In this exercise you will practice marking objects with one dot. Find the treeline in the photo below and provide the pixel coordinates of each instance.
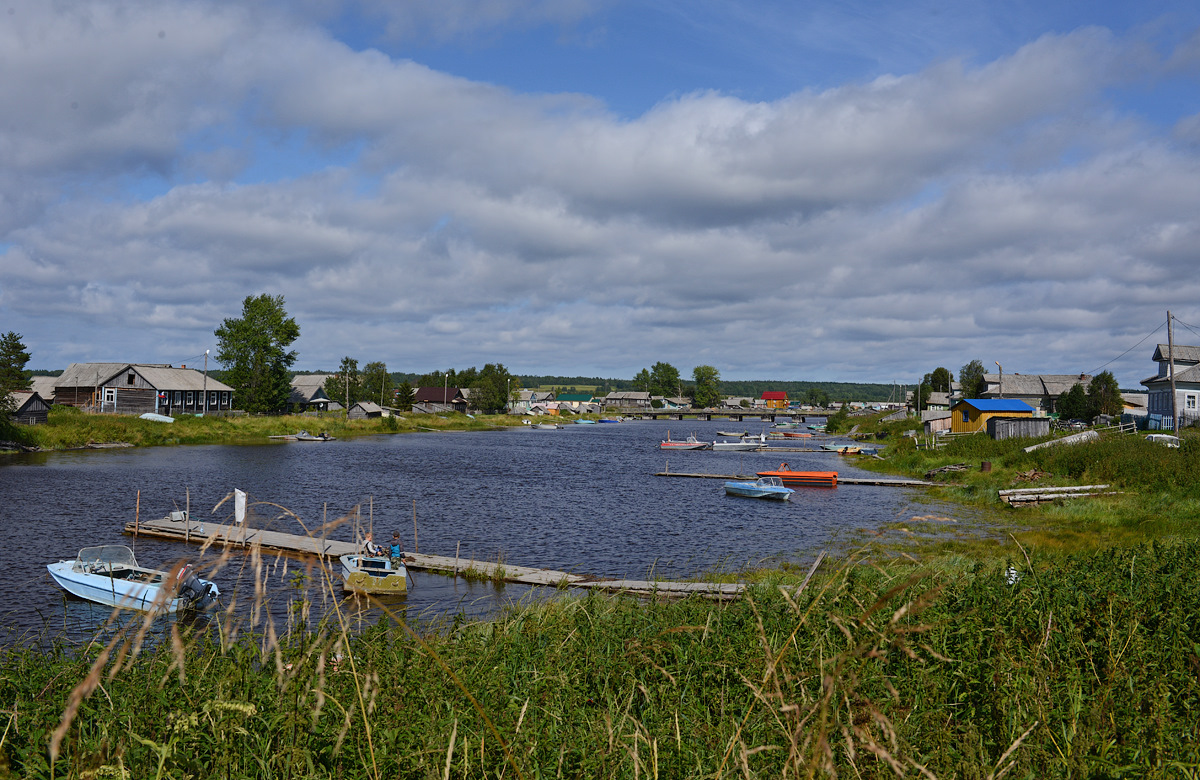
(836, 391)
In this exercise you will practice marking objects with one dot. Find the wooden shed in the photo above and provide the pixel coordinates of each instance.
(1001, 428)
(31, 408)
(365, 410)
(971, 415)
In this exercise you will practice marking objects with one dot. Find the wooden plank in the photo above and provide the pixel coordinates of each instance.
(841, 480)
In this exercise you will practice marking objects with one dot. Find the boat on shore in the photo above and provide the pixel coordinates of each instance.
(802, 478)
(306, 436)
(843, 449)
(110, 575)
(373, 574)
(546, 426)
(764, 487)
(690, 443)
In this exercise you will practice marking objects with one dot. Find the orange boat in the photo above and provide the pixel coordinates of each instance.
(795, 479)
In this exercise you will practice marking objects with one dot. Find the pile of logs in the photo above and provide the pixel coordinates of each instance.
(1026, 496)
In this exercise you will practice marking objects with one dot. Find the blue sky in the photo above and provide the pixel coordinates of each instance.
(841, 191)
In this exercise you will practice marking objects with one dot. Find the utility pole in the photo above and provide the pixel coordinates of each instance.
(1171, 368)
(1001, 391)
(205, 385)
(347, 378)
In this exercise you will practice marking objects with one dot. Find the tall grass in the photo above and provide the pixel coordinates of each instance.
(1080, 666)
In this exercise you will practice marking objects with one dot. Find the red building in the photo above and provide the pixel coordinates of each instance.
(775, 399)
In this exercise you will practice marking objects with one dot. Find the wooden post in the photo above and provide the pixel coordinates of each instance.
(1171, 371)
(187, 516)
(416, 545)
(136, 512)
(456, 547)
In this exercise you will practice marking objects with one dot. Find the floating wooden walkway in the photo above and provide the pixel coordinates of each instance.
(841, 480)
(222, 536)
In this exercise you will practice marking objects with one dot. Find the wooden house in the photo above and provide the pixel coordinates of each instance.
(774, 399)
(137, 388)
(971, 415)
(308, 393)
(29, 408)
(624, 399)
(1187, 386)
(1040, 391)
(365, 410)
(439, 399)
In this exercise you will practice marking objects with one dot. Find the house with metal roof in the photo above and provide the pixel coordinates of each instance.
(137, 388)
(627, 398)
(1040, 391)
(774, 399)
(971, 415)
(1187, 386)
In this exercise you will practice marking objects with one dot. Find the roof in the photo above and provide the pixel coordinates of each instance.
(631, 395)
(368, 406)
(1041, 385)
(575, 397)
(774, 395)
(309, 388)
(44, 386)
(160, 376)
(436, 395)
(1189, 374)
(996, 404)
(23, 398)
(1181, 353)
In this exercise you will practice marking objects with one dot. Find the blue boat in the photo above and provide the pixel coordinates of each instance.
(763, 487)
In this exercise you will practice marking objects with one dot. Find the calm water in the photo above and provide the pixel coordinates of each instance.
(581, 499)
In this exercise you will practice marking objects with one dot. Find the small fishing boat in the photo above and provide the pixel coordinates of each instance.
(763, 487)
(110, 575)
(802, 478)
(690, 443)
(744, 444)
(546, 426)
(817, 427)
(608, 420)
(732, 434)
(796, 435)
(306, 436)
(585, 422)
(842, 449)
(786, 425)
(373, 574)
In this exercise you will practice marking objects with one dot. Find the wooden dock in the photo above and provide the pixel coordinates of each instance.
(841, 480)
(222, 536)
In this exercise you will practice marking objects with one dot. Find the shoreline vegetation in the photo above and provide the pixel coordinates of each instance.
(1063, 642)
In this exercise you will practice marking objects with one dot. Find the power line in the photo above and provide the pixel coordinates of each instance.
(1094, 371)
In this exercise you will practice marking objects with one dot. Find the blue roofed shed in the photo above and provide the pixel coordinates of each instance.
(972, 414)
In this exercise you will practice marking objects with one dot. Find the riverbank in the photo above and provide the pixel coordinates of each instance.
(1056, 667)
(69, 428)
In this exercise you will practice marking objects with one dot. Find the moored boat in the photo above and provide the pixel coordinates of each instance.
(732, 434)
(373, 574)
(110, 575)
(744, 444)
(763, 487)
(306, 436)
(802, 478)
(690, 443)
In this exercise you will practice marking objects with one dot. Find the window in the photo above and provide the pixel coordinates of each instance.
(178, 397)
(966, 416)
(129, 379)
(1191, 401)
(212, 399)
(110, 395)
(225, 399)
(190, 398)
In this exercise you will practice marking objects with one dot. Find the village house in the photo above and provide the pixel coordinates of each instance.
(364, 410)
(1041, 391)
(433, 400)
(1187, 387)
(526, 399)
(625, 399)
(138, 388)
(308, 393)
(29, 407)
(774, 399)
(971, 415)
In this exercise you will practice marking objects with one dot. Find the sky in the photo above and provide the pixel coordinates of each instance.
(834, 190)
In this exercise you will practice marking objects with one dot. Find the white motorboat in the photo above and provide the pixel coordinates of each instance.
(763, 487)
(744, 444)
(110, 575)
(690, 443)
(373, 574)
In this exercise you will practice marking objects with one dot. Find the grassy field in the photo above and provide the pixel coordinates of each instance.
(70, 428)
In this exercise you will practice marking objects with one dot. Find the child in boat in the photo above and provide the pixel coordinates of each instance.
(370, 548)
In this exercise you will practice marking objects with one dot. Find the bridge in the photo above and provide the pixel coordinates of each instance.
(738, 415)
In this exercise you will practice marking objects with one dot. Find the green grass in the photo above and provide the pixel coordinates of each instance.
(1086, 666)
(69, 428)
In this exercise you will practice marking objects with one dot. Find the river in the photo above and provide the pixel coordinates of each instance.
(582, 499)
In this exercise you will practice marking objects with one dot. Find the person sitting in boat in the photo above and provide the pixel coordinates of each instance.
(397, 550)
(370, 548)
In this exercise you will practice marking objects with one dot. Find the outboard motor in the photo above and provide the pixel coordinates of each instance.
(197, 593)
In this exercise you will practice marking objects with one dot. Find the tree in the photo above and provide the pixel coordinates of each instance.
(1073, 404)
(13, 375)
(491, 391)
(345, 385)
(970, 377)
(940, 380)
(1104, 395)
(664, 379)
(376, 383)
(817, 397)
(707, 392)
(254, 352)
(404, 396)
(921, 394)
(643, 382)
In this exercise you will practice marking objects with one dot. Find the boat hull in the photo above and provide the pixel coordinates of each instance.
(373, 575)
(750, 490)
(795, 479)
(128, 587)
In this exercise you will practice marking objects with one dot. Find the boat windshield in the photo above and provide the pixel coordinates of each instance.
(107, 556)
(770, 481)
